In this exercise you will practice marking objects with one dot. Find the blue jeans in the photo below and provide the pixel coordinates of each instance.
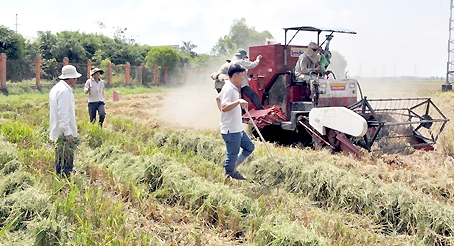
(233, 142)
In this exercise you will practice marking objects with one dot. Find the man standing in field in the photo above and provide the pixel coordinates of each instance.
(63, 126)
(94, 87)
(230, 104)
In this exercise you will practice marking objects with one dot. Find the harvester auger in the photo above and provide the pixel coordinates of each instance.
(322, 111)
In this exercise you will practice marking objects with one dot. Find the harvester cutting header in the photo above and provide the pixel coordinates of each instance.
(319, 110)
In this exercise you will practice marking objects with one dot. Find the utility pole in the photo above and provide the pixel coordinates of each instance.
(449, 66)
(16, 23)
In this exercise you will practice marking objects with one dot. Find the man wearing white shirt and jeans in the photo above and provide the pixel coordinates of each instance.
(63, 116)
(94, 87)
(235, 138)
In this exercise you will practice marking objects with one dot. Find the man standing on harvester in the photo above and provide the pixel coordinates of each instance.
(241, 58)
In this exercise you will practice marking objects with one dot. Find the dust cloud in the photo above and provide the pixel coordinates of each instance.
(192, 106)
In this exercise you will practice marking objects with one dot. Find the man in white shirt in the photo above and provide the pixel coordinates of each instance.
(63, 116)
(94, 87)
(230, 104)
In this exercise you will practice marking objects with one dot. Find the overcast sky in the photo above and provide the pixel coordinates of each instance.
(395, 38)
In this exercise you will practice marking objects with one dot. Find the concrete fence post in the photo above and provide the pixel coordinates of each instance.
(155, 73)
(88, 69)
(127, 72)
(109, 73)
(2, 71)
(38, 70)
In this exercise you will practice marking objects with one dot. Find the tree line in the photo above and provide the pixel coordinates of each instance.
(119, 49)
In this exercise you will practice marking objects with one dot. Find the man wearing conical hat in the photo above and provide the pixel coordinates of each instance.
(94, 87)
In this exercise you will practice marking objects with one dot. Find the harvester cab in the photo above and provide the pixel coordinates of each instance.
(322, 111)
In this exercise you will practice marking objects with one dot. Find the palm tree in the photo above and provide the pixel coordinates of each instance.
(188, 47)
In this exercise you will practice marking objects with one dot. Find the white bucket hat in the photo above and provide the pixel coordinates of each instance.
(69, 72)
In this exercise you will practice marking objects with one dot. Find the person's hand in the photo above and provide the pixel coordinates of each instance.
(69, 138)
(318, 67)
(259, 57)
(243, 103)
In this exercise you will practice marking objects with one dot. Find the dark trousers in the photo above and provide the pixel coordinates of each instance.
(96, 106)
(249, 92)
(64, 165)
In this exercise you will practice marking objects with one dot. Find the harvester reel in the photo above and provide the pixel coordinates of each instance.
(396, 124)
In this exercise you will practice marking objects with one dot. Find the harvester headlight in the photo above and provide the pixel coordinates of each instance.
(351, 85)
(322, 85)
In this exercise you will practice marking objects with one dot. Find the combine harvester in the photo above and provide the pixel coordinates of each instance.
(322, 111)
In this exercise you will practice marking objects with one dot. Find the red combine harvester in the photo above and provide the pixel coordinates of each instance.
(324, 112)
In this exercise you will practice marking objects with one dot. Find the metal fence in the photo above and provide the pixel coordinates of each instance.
(50, 69)
(18, 70)
(136, 75)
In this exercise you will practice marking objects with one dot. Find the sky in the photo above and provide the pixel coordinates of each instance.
(394, 38)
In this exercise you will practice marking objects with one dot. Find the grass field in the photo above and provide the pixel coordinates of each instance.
(154, 176)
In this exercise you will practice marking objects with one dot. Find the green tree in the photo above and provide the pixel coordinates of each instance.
(79, 47)
(162, 56)
(68, 44)
(188, 48)
(11, 43)
(203, 61)
(120, 34)
(45, 43)
(240, 36)
(31, 50)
